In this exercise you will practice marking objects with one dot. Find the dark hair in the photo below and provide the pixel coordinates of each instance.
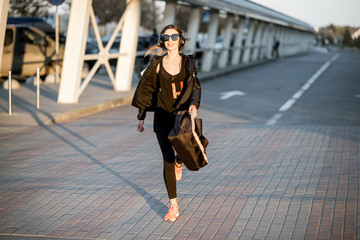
(161, 44)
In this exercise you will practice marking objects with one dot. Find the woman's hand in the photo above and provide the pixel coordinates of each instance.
(193, 111)
(140, 126)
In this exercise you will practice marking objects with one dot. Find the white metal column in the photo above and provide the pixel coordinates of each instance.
(265, 39)
(257, 41)
(300, 38)
(74, 51)
(193, 28)
(248, 41)
(224, 55)
(209, 53)
(4, 7)
(235, 58)
(297, 39)
(301, 41)
(270, 43)
(128, 47)
(294, 42)
(169, 13)
(282, 40)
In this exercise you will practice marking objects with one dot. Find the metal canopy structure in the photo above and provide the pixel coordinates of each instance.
(253, 10)
(249, 35)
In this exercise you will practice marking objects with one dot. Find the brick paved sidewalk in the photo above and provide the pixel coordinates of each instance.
(73, 181)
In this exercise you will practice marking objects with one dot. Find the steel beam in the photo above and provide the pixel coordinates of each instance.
(74, 51)
(224, 54)
(257, 42)
(193, 28)
(235, 58)
(206, 63)
(128, 47)
(4, 6)
(249, 41)
(169, 13)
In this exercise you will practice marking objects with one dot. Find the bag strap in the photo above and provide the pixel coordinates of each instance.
(197, 139)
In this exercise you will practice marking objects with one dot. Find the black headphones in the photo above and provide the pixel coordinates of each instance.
(178, 29)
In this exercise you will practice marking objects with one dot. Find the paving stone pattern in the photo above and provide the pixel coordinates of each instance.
(104, 181)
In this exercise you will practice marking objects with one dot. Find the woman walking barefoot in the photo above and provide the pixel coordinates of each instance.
(164, 88)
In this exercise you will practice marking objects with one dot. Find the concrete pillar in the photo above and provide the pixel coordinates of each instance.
(74, 51)
(278, 36)
(285, 38)
(302, 41)
(257, 41)
(294, 42)
(248, 41)
(128, 46)
(169, 13)
(235, 58)
(224, 54)
(289, 39)
(282, 47)
(264, 41)
(193, 27)
(212, 32)
(299, 39)
(308, 41)
(4, 7)
(270, 42)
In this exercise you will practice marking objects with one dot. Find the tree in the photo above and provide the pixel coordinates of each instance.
(357, 42)
(108, 10)
(149, 13)
(347, 40)
(38, 8)
(31, 8)
(112, 10)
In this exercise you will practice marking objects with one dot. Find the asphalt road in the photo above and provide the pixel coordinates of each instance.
(332, 99)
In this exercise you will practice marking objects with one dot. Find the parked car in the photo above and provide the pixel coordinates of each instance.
(38, 23)
(27, 48)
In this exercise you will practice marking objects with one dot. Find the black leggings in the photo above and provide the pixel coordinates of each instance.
(163, 123)
(169, 163)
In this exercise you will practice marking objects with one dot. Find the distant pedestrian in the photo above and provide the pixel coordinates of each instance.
(275, 50)
(161, 89)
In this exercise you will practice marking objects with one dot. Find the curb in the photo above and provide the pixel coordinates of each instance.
(66, 116)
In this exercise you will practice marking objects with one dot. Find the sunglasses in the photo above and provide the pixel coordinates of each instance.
(166, 37)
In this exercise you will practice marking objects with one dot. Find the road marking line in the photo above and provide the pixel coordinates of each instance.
(229, 94)
(287, 105)
(274, 119)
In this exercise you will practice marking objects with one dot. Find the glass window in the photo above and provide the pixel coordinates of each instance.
(9, 37)
(31, 37)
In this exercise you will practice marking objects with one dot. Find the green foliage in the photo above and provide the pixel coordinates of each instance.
(338, 35)
(111, 10)
(29, 8)
(357, 42)
(347, 40)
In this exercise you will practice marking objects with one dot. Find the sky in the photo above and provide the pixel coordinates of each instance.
(318, 13)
